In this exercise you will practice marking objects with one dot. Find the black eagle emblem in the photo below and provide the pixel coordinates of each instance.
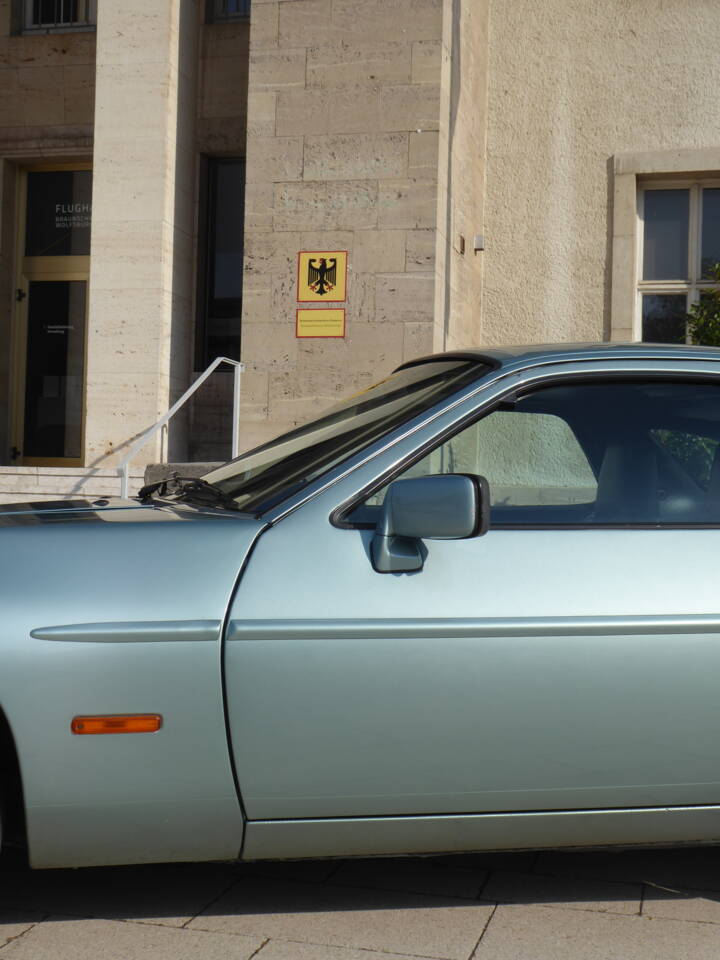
(322, 275)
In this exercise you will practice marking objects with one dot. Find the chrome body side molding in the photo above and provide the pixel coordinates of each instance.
(142, 631)
(368, 836)
(438, 628)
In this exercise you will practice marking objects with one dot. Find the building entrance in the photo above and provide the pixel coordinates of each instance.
(51, 317)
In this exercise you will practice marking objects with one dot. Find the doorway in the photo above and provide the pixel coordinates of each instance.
(50, 331)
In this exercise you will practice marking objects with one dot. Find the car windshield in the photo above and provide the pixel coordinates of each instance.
(271, 473)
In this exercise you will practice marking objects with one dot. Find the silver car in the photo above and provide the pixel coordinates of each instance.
(476, 606)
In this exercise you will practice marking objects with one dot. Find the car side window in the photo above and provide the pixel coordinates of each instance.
(530, 460)
(613, 453)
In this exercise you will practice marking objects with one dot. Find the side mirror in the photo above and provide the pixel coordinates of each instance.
(443, 507)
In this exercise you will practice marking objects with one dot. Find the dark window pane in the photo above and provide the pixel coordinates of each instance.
(664, 317)
(591, 453)
(219, 10)
(220, 299)
(710, 253)
(228, 231)
(55, 369)
(59, 207)
(696, 454)
(276, 470)
(54, 12)
(665, 249)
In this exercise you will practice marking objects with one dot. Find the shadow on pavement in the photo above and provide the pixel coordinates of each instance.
(616, 882)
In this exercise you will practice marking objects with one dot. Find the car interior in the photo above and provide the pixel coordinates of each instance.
(577, 454)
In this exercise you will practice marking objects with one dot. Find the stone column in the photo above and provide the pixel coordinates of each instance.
(461, 180)
(343, 118)
(141, 272)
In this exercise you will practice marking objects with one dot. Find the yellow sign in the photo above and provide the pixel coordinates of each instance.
(320, 323)
(322, 276)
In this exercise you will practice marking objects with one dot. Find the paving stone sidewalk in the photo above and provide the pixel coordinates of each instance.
(632, 905)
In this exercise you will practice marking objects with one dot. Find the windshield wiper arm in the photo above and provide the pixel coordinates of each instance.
(188, 488)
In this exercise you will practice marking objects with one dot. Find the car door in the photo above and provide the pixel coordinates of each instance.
(567, 660)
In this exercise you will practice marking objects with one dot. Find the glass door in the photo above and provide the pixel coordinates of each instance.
(54, 368)
(51, 319)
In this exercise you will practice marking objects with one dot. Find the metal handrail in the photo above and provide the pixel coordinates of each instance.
(124, 465)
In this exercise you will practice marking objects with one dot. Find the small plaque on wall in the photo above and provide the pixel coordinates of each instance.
(322, 276)
(320, 323)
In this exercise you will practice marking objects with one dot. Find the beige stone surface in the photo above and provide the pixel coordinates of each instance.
(350, 917)
(692, 905)
(404, 297)
(230, 39)
(426, 61)
(423, 154)
(542, 933)
(277, 69)
(347, 205)
(567, 94)
(299, 112)
(362, 91)
(413, 106)
(58, 939)
(79, 93)
(349, 64)
(221, 80)
(420, 249)
(262, 107)
(405, 20)
(461, 174)
(417, 340)
(266, 23)
(279, 950)
(45, 50)
(277, 158)
(407, 204)
(259, 199)
(222, 136)
(305, 23)
(355, 157)
(379, 251)
(143, 214)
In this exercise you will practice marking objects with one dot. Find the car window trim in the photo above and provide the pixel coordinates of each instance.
(516, 391)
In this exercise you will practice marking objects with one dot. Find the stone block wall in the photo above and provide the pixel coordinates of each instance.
(47, 92)
(573, 85)
(222, 89)
(461, 189)
(141, 270)
(343, 119)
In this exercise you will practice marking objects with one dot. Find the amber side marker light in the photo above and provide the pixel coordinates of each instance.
(118, 723)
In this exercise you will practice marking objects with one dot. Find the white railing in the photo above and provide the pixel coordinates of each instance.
(124, 465)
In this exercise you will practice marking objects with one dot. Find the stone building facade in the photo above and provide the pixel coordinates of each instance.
(493, 171)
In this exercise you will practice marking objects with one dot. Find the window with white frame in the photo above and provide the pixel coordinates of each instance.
(679, 245)
(50, 16)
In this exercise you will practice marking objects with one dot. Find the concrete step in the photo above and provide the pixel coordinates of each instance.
(159, 471)
(19, 484)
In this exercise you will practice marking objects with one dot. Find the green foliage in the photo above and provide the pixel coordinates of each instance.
(694, 453)
(703, 319)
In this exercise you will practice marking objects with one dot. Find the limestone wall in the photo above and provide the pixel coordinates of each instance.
(142, 270)
(463, 122)
(343, 117)
(47, 87)
(571, 84)
(222, 91)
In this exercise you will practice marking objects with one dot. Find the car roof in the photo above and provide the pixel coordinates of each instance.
(528, 355)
